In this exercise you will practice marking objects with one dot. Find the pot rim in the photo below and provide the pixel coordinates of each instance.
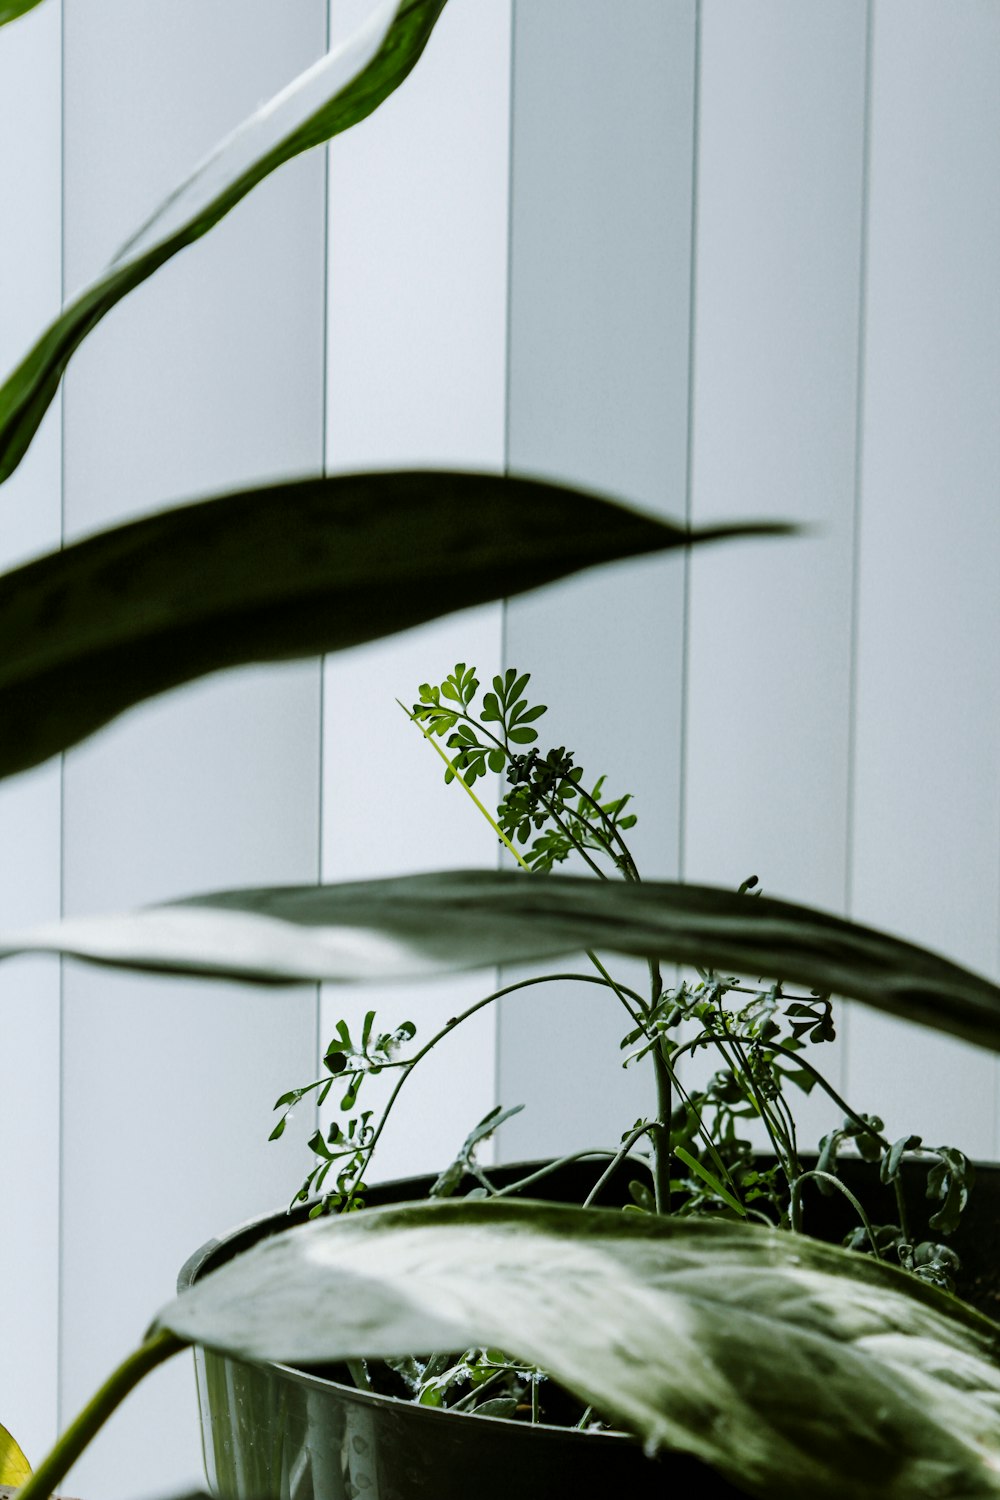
(260, 1227)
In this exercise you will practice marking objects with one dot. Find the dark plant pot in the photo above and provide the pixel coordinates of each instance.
(271, 1431)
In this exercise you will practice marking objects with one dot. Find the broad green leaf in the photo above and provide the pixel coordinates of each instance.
(9, 11)
(292, 570)
(14, 1467)
(418, 925)
(792, 1367)
(340, 89)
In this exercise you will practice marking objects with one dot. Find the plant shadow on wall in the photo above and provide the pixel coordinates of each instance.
(787, 1365)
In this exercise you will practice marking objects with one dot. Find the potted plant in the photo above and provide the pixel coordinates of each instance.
(782, 1363)
(341, 1430)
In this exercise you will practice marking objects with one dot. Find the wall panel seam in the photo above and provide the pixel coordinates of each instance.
(859, 427)
(324, 449)
(508, 337)
(850, 789)
(685, 644)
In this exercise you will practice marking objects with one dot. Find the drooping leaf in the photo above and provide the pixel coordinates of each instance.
(14, 1467)
(792, 1367)
(9, 11)
(269, 574)
(418, 925)
(334, 93)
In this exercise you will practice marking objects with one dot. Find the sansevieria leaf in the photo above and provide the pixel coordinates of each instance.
(9, 11)
(419, 925)
(291, 570)
(793, 1368)
(14, 1467)
(342, 88)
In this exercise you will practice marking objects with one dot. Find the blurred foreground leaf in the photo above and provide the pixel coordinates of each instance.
(420, 925)
(791, 1367)
(9, 11)
(342, 88)
(287, 571)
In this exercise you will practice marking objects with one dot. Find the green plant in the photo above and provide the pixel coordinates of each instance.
(874, 1383)
(700, 1158)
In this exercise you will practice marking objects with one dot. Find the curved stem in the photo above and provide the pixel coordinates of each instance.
(78, 1435)
(834, 1182)
(508, 989)
(547, 1170)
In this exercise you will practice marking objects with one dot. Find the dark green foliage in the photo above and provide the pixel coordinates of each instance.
(347, 1147)
(793, 1368)
(546, 796)
(110, 621)
(269, 138)
(700, 1145)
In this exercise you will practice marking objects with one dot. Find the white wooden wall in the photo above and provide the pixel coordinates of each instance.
(723, 259)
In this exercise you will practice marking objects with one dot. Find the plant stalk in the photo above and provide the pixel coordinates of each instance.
(78, 1435)
(661, 1135)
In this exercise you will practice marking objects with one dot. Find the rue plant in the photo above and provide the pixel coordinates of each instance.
(693, 1155)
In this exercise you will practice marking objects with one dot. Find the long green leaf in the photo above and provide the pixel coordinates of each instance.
(342, 88)
(791, 1367)
(266, 575)
(418, 925)
(11, 9)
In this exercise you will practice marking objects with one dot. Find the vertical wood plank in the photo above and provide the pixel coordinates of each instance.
(599, 316)
(30, 281)
(779, 236)
(209, 376)
(416, 377)
(927, 807)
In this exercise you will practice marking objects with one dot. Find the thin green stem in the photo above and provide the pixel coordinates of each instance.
(663, 1074)
(455, 1021)
(428, 735)
(500, 834)
(612, 828)
(581, 849)
(835, 1182)
(618, 1158)
(78, 1435)
(663, 1071)
(901, 1214)
(619, 990)
(547, 1170)
(771, 1125)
